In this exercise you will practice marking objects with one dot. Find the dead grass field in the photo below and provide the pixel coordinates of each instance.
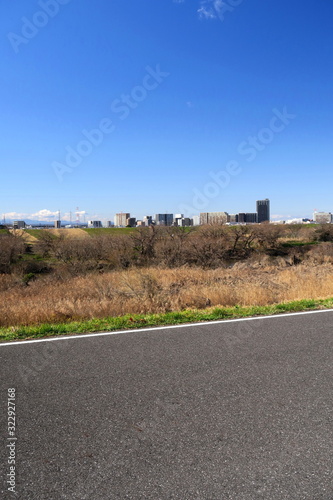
(28, 238)
(73, 233)
(157, 290)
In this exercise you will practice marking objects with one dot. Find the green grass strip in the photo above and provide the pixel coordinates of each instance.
(131, 321)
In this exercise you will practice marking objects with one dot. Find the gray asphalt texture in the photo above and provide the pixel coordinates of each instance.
(238, 411)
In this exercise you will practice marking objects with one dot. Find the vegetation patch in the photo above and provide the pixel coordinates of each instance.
(136, 321)
(36, 233)
(297, 243)
(73, 279)
(96, 231)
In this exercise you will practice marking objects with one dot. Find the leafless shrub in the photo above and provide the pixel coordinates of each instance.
(172, 247)
(321, 254)
(324, 232)
(144, 242)
(267, 236)
(46, 243)
(11, 247)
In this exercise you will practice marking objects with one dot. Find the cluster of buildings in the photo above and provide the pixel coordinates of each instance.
(124, 219)
(261, 215)
(318, 218)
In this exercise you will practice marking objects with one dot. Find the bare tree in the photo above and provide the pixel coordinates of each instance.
(11, 248)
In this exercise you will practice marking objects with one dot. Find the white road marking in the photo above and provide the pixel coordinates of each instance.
(153, 329)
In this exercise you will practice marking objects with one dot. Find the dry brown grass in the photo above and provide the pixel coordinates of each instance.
(159, 290)
(73, 233)
(27, 238)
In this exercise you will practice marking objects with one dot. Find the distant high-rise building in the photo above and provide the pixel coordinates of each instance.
(322, 217)
(213, 218)
(94, 223)
(247, 218)
(131, 222)
(250, 218)
(164, 219)
(177, 220)
(263, 211)
(57, 224)
(241, 218)
(120, 220)
(147, 220)
(182, 221)
(186, 222)
(18, 224)
(233, 218)
(196, 220)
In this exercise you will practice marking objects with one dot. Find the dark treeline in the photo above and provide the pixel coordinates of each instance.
(206, 246)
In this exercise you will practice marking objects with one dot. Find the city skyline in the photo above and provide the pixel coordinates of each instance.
(120, 219)
(47, 215)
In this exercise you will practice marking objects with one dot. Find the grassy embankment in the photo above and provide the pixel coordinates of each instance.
(93, 231)
(154, 320)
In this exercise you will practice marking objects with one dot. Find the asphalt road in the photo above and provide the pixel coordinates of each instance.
(234, 410)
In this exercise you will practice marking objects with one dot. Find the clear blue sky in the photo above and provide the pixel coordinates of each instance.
(228, 69)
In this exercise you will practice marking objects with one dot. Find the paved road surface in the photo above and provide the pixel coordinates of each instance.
(235, 410)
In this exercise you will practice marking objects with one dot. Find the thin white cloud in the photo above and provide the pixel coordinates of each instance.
(49, 216)
(42, 215)
(14, 215)
(283, 216)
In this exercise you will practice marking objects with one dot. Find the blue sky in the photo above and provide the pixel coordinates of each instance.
(200, 106)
